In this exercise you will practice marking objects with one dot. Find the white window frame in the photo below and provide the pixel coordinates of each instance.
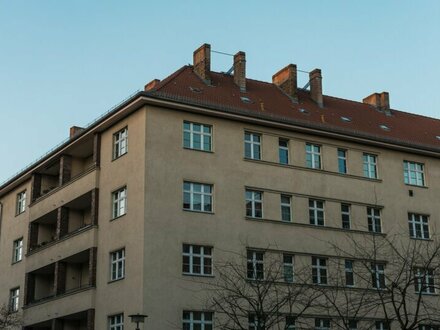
(203, 322)
(315, 161)
(254, 200)
(190, 132)
(288, 268)
(21, 202)
(254, 262)
(418, 226)
(414, 173)
(346, 214)
(370, 165)
(116, 322)
(253, 140)
(283, 148)
(314, 210)
(290, 322)
(203, 256)
(348, 270)
(120, 143)
(319, 324)
(344, 159)
(205, 194)
(286, 206)
(374, 219)
(119, 202)
(117, 265)
(320, 270)
(17, 250)
(14, 300)
(381, 325)
(253, 322)
(378, 272)
(424, 281)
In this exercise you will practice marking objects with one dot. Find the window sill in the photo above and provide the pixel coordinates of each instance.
(16, 262)
(265, 220)
(18, 214)
(422, 239)
(197, 275)
(415, 186)
(196, 211)
(116, 158)
(200, 150)
(117, 280)
(118, 217)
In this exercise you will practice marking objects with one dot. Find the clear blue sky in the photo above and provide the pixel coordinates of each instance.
(63, 63)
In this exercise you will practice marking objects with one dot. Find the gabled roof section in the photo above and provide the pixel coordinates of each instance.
(266, 100)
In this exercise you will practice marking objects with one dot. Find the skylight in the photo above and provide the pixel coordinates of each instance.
(346, 119)
(384, 127)
(195, 89)
(438, 137)
(245, 99)
(302, 110)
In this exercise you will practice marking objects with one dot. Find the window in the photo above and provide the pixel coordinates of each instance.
(424, 280)
(413, 173)
(253, 322)
(288, 268)
(418, 226)
(319, 270)
(21, 202)
(14, 300)
(346, 216)
(352, 325)
(374, 223)
(254, 204)
(255, 265)
(382, 325)
(197, 320)
(120, 143)
(286, 208)
(378, 275)
(342, 161)
(116, 322)
(197, 260)
(197, 136)
(370, 166)
(316, 212)
(252, 145)
(322, 324)
(119, 199)
(349, 274)
(428, 327)
(290, 322)
(197, 197)
(117, 265)
(313, 155)
(17, 250)
(283, 151)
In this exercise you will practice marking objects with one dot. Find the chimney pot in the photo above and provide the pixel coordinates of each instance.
(74, 130)
(240, 70)
(315, 78)
(152, 85)
(286, 80)
(202, 62)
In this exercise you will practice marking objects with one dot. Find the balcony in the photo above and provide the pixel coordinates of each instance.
(83, 320)
(63, 222)
(67, 276)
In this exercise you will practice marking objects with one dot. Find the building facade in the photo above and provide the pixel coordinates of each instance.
(121, 218)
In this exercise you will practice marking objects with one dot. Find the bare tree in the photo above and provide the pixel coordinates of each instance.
(8, 319)
(266, 295)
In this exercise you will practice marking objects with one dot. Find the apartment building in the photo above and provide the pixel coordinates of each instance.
(119, 219)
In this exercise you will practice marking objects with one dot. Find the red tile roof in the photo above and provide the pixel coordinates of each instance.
(267, 100)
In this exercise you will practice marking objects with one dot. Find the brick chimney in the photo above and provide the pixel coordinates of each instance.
(381, 101)
(286, 80)
(74, 130)
(315, 79)
(202, 62)
(152, 84)
(240, 70)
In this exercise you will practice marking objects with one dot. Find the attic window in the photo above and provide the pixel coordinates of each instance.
(438, 137)
(245, 99)
(302, 110)
(346, 119)
(195, 89)
(384, 127)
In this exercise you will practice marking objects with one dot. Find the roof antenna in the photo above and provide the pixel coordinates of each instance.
(229, 72)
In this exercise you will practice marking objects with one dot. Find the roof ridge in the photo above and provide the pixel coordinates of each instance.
(172, 76)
